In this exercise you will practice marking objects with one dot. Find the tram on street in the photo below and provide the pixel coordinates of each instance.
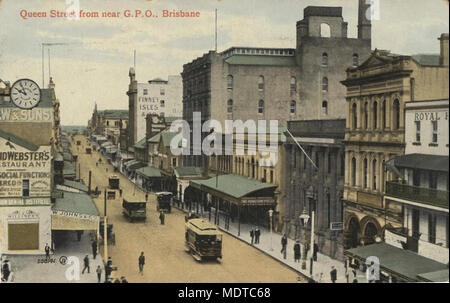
(134, 210)
(163, 201)
(203, 240)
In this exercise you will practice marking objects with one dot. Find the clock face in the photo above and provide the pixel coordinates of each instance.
(25, 93)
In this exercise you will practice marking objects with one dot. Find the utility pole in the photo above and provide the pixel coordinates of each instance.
(215, 36)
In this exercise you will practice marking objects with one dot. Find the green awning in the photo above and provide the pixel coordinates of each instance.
(149, 172)
(188, 171)
(68, 169)
(435, 276)
(404, 264)
(76, 185)
(67, 156)
(74, 211)
(233, 185)
(421, 161)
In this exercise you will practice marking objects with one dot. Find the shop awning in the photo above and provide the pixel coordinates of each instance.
(188, 171)
(106, 144)
(136, 165)
(421, 161)
(248, 191)
(76, 185)
(69, 169)
(436, 276)
(149, 172)
(74, 211)
(130, 162)
(401, 263)
(67, 156)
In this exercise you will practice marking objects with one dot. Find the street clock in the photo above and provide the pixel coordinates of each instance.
(25, 94)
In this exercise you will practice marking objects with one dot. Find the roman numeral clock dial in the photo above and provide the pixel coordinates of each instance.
(25, 94)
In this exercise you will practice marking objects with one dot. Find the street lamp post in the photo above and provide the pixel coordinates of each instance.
(304, 218)
(270, 216)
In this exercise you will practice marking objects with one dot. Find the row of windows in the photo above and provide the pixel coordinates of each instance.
(261, 83)
(355, 59)
(375, 125)
(365, 173)
(434, 131)
(162, 91)
(292, 107)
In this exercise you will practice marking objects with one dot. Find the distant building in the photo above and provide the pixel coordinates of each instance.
(161, 97)
(108, 123)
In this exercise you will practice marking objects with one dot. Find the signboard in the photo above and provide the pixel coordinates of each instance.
(24, 172)
(37, 115)
(258, 201)
(22, 201)
(336, 226)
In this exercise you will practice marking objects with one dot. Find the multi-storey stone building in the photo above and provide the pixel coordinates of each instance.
(302, 83)
(377, 91)
(319, 190)
(161, 97)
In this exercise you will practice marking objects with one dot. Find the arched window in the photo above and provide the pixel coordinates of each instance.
(324, 107)
(325, 30)
(366, 174)
(355, 116)
(324, 59)
(375, 115)
(293, 107)
(230, 82)
(293, 84)
(353, 172)
(355, 60)
(383, 114)
(230, 106)
(366, 115)
(374, 173)
(396, 114)
(261, 83)
(261, 107)
(325, 84)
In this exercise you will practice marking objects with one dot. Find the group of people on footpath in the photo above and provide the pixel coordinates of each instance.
(255, 233)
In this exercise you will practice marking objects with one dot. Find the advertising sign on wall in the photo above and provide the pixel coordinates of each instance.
(24, 172)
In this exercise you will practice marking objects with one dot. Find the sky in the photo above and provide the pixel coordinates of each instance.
(92, 66)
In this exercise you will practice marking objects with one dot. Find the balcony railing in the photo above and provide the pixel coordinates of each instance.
(423, 195)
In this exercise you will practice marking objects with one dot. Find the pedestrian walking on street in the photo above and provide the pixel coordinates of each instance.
(124, 280)
(120, 192)
(6, 270)
(108, 270)
(161, 217)
(146, 197)
(252, 234)
(284, 245)
(315, 251)
(141, 263)
(86, 265)
(257, 235)
(94, 248)
(333, 274)
(297, 253)
(47, 251)
(99, 273)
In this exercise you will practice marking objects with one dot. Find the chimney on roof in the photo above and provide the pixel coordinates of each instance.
(364, 20)
(444, 49)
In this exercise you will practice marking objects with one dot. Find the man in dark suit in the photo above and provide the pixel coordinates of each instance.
(141, 263)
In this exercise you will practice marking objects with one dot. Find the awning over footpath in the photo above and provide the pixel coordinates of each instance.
(106, 144)
(68, 169)
(420, 161)
(188, 171)
(74, 211)
(238, 189)
(436, 276)
(134, 164)
(403, 264)
(76, 185)
(149, 172)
